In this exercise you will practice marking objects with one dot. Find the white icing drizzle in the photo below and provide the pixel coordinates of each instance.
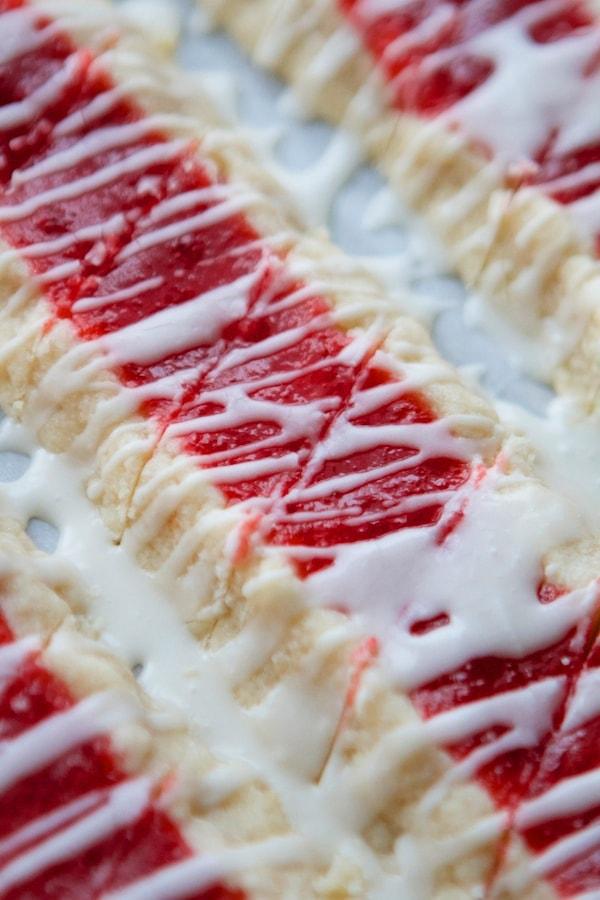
(543, 80)
(176, 328)
(373, 9)
(159, 20)
(20, 34)
(49, 823)
(94, 110)
(59, 273)
(25, 111)
(182, 202)
(447, 579)
(536, 346)
(59, 733)
(112, 226)
(85, 304)
(98, 141)
(585, 704)
(569, 796)
(217, 213)
(534, 88)
(557, 855)
(334, 54)
(123, 806)
(526, 712)
(206, 871)
(135, 162)
(179, 672)
(290, 19)
(566, 443)
(13, 655)
(315, 187)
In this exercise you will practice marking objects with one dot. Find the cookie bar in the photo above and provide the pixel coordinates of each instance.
(102, 791)
(509, 187)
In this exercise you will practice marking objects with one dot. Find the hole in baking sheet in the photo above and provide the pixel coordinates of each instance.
(137, 669)
(13, 465)
(44, 534)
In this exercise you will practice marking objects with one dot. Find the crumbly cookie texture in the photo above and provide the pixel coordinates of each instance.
(519, 248)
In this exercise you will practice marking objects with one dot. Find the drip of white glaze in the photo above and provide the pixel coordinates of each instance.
(535, 345)
(566, 444)
(315, 187)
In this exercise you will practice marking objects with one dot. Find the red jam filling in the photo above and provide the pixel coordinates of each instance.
(382, 481)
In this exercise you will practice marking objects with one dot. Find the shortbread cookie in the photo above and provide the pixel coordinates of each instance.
(316, 491)
(509, 185)
(102, 792)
